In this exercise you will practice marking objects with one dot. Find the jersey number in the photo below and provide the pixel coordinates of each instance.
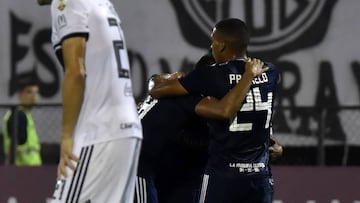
(253, 104)
(120, 52)
(119, 48)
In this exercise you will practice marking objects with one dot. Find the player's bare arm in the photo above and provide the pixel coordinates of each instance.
(73, 90)
(226, 107)
(168, 85)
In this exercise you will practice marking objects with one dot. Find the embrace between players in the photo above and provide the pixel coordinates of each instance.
(101, 130)
(235, 95)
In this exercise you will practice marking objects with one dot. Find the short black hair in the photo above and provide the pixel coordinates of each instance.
(205, 60)
(26, 82)
(235, 32)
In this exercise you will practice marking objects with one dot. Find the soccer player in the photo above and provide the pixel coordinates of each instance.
(162, 155)
(237, 168)
(177, 139)
(162, 120)
(101, 131)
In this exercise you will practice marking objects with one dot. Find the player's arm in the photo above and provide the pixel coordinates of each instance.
(226, 107)
(73, 91)
(166, 85)
(74, 81)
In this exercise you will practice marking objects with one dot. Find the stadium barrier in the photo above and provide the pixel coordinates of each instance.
(292, 184)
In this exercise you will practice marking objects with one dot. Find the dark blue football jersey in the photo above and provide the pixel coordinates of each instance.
(174, 149)
(163, 120)
(240, 144)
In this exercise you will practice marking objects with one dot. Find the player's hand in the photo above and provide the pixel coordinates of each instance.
(276, 151)
(178, 74)
(255, 67)
(159, 79)
(66, 156)
(172, 76)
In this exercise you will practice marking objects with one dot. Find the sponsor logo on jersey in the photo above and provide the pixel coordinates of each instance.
(124, 126)
(61, 20)
(248, 167)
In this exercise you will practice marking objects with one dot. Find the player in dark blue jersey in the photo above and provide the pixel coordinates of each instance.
(162, 119)
(237, 168)
(275, 149)
(168, 161)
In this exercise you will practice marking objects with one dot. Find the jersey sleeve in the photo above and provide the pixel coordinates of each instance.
(71, 19)
(273, 72)
(196, 82)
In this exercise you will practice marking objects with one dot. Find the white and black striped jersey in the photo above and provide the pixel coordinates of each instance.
(108, 104)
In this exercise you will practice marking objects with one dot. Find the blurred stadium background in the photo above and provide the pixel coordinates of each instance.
(323, 143)
(314, 43)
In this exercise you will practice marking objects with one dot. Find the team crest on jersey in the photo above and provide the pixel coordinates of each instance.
(61, 5)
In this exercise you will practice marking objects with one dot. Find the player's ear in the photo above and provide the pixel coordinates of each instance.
(222, 47)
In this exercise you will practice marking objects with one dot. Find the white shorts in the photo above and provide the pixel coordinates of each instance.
(106, 173)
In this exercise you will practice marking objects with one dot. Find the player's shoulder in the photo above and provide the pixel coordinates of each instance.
(202, 70)
(272, 71)
(69, 17)
(78, 4)
(204, 61)
(233, 66)
(272, 67)
(65, 6)
(238, 62)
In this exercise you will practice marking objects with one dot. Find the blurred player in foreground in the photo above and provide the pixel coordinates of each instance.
(101, 131)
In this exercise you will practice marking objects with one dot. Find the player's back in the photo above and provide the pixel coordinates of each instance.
(174, 148)
(162, 120)
(108, 104)
(241, 143)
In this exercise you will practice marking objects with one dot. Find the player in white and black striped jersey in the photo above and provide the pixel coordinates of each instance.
(101, 131)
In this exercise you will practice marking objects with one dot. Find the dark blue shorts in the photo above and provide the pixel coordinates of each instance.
(235, 189)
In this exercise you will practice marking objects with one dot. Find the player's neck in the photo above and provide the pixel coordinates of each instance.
(237, 57)
(230, 56)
